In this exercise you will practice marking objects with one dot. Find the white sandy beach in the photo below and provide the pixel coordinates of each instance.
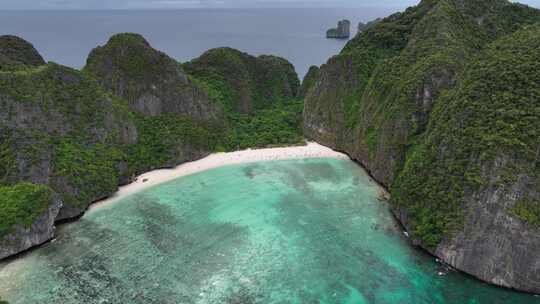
(152, 178)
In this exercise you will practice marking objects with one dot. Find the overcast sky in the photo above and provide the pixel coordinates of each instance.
(167, 4)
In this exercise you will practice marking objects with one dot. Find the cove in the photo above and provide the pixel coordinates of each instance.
(297, 231)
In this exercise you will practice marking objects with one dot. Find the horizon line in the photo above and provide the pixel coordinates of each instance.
(199, 8)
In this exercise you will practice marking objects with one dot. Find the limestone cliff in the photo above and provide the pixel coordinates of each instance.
(151, 82)
(69, 138)
(60, 129)
(342, 31)
(16, 52)
(364, 26)
(476, 172)
(248, 83)
(258, 96)
(385, 98)
(310, 80)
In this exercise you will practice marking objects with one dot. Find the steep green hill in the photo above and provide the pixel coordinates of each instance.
(16, 52)
(244, 83)
(51, 115)
(69, 138)
(59, 129)
(386, 97)
(151, 82)
(258, 95)
(245, 101)
(482, 134)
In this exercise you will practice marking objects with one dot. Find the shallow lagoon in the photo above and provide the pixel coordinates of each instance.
(299, 231)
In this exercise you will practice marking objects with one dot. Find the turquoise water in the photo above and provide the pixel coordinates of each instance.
(302, 231)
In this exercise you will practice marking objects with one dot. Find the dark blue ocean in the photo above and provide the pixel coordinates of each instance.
(66, 37)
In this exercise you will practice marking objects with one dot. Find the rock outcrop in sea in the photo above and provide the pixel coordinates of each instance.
(343, 30)
(437, 103)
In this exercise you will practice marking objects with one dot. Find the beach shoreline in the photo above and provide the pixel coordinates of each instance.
(216, 160)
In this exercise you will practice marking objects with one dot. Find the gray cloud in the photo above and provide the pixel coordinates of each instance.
(157, 4)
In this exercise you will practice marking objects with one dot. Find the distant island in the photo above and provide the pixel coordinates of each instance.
(343, 30)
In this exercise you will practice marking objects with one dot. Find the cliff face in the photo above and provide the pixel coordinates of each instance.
(476, 172)
(27, 229)
(343, 30)
(257, 94)
(428, 101)
(151, 82)
(310, 80)
(69, 138)
(364, 26)
(59, 129)
(15, 52)
(174, 117)
(246, 83)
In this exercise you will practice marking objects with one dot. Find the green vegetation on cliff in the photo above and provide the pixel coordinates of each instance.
(255, 96)
(89, 168)
(151, 82)
(244, 83)
(310, 80)
(258, 95)
(491, 117)
(8, 162)
(63, 129)
(131, 60)
(83, 133)
(21, 204)
(168, 140)
(527, 210)
(392, 91)
(423, 51)
(276, 126)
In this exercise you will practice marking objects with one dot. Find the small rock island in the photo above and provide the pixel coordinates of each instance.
(343, 30)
